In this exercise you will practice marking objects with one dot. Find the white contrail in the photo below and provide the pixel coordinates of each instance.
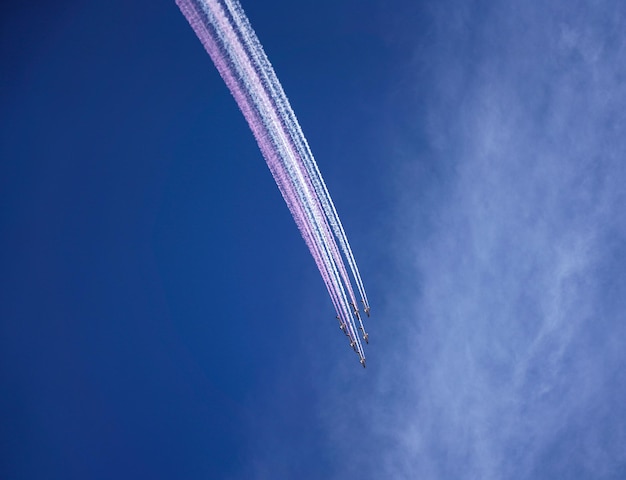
(246, 74)
(250, 76)
(266, 76)
(315, 217)
(232, 44)
(271, 82)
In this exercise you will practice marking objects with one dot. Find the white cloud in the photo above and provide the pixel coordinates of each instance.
(511, 367)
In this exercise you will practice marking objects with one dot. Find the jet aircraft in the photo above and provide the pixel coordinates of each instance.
(356, 311)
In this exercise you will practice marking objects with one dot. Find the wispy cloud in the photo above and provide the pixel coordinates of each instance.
(514, 364)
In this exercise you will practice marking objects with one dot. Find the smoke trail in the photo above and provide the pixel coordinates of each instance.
(248, 61)
(244, 64)
(238, 63)
(255, 123)
(237, 54)
(250, 75)
(291, 123)
(270, 82)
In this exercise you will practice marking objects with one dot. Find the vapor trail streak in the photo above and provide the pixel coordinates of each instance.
(270, 81)
(243, 64)
(265, 145)
(227, 36)
(250, 75)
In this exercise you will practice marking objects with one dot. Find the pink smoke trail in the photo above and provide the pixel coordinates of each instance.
(206, 38)
(289, 121)
(277, 146)
(246, 62)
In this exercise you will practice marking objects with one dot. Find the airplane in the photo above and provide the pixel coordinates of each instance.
(342, 325)
(366, 308)
(353, 344)
(356, 311)
(366, 335)
(362, 361)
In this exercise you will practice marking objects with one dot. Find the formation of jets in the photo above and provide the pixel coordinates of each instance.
(344, 328)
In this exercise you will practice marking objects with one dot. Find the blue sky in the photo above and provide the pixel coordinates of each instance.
(160, 316)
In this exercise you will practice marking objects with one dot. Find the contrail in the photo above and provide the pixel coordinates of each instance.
(240, 66)
(268, 150)
(246, 62)
(270, 81)
(298, 142)
(227, 36)
(243, 62)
